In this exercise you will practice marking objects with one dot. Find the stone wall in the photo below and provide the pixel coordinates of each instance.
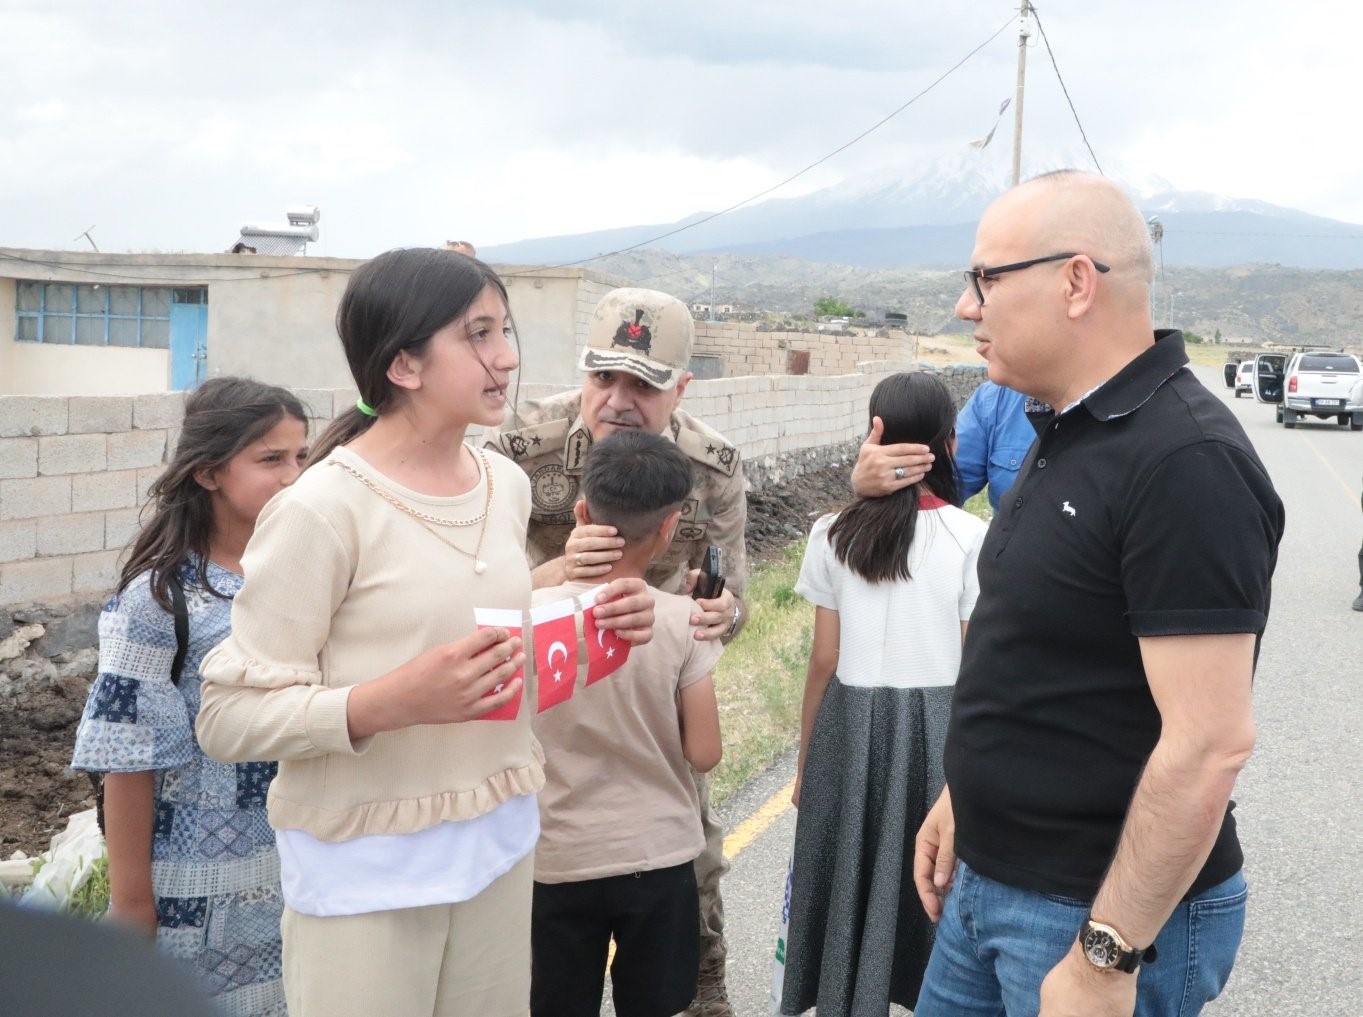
(746, 351)
(74, 474)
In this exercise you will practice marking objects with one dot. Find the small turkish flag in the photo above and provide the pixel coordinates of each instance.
(497, 617)
(606, 652)
(555, 633)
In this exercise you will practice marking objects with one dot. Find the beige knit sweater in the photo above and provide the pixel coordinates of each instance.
(343, 587)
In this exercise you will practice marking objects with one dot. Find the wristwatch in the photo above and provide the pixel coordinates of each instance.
(1106, 950)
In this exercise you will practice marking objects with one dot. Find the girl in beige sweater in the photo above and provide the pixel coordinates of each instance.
(405, 808)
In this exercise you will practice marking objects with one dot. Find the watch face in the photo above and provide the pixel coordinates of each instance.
(1101, 948)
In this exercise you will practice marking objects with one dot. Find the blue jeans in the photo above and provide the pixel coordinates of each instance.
(995, 943)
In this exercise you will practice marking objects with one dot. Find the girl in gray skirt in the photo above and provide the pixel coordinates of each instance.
(892, 580)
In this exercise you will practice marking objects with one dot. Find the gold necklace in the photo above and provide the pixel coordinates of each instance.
(479, 566)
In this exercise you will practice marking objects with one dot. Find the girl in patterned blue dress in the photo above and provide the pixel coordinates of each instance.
(192, 857)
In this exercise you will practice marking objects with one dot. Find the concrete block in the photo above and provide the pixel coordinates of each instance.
(73, 534)
(72, 453)
(18, 458)
(38, 580)
(145, 478)
(342, 399)
(159, 409)
(120, 526)
(18, 540)
(100, 414)
(94, 573)
(317, 402)
(24, 416)
(130, 450)
(99, 491)
(39, 496)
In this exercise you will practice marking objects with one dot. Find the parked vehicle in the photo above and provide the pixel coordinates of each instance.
(1312, 383)
(1244, 378)
(1230, 369)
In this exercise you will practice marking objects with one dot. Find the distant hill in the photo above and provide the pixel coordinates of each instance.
(927, 218)
(1260, 302)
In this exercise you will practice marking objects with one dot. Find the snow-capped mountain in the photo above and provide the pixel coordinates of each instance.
(928, 215)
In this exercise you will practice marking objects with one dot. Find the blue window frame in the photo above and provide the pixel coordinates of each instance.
(95, 315)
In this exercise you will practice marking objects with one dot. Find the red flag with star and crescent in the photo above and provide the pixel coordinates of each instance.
(606, 652)
(554, 626)
(492, 617)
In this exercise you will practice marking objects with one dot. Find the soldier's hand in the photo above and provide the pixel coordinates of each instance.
(883, 469)
(590, 552)
(626, 607)
(714, 616)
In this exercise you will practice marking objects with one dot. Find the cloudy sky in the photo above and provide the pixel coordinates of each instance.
(166, 125)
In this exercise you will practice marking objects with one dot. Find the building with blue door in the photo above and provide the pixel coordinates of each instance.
(88, 323)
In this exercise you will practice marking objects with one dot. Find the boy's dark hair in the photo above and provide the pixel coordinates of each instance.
(222, 417)
(632, 480)
(872, 536)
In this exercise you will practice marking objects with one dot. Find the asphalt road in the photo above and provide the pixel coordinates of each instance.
(1299, 811)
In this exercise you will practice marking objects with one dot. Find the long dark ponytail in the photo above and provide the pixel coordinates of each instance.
(222, 417)
(872, 536)
(396, 302)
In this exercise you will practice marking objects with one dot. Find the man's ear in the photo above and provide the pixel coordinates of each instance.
(1081, 287)
(206, 478)
(682, 382)
(405, 371)
(581, 514)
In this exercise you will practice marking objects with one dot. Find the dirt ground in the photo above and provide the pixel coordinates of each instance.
(38, 792)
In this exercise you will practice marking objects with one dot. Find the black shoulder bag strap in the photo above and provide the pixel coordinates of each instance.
(181, 612)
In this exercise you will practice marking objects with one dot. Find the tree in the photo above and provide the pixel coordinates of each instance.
(1192, 337)
(1217, 338)
(832, 307)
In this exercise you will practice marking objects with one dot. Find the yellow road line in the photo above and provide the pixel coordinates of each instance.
(746, 832)
(1348, 488)
(755, 825)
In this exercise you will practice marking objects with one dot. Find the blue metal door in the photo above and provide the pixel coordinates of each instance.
(188, 338)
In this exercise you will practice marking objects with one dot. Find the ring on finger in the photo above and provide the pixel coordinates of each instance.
(900, 473)
(577, 559)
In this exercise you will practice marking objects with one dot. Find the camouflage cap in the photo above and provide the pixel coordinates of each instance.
(642, 332)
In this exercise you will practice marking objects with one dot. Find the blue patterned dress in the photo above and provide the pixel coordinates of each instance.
(215, 871)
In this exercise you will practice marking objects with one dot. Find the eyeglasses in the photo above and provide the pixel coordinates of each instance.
(974, 276)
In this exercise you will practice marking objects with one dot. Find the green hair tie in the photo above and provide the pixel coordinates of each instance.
(365, 408)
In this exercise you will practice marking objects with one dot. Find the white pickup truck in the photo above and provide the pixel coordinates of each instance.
(1312, 383)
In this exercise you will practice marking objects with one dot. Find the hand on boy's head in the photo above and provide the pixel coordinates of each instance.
(714, 616)
(874, 474)
(590, 552)
(626, 607)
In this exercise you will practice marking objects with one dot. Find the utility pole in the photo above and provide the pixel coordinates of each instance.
(713, 263)
(1024, 33)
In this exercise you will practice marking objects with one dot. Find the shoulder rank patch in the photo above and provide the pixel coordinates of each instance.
(579, 443)
(533, 440)
(715, 453)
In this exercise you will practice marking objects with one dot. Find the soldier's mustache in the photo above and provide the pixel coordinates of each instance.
(621, 419)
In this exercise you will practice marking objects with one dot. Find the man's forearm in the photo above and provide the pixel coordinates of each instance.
(1171, 825)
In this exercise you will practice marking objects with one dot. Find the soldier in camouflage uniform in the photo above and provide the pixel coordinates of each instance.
(636, 358)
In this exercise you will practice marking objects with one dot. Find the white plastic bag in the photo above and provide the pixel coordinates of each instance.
(67, 864)
(778, 965)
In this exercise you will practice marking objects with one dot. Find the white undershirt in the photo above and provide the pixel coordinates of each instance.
(447, 863)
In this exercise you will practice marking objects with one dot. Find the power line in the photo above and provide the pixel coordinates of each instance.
(794, 176)
(1051, 54)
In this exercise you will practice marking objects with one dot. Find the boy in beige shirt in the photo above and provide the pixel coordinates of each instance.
(620, 822)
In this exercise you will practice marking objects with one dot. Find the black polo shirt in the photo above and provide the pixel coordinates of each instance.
(1143, 511)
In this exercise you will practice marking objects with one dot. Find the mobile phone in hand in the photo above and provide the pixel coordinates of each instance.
(710, 583)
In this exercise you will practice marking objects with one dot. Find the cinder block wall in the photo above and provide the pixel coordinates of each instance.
(745, 351)
(75, 471)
